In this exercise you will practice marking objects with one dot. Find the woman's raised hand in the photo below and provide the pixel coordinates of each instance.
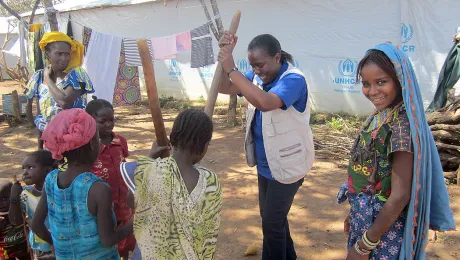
(227, 39)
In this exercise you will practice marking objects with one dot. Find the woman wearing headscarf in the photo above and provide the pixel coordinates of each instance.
(63, 84)
(395, 184)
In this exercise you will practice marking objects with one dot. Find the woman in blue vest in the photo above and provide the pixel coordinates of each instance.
(278, 138)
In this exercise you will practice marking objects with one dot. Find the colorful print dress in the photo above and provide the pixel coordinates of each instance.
(170, 222)
(77, 78)
(369, 177)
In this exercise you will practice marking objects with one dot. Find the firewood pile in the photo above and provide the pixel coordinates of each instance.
(445, 127)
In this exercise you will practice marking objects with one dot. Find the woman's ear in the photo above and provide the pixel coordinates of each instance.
(278, 57)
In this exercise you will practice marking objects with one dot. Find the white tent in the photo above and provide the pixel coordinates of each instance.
(326, 37)
(11, 49)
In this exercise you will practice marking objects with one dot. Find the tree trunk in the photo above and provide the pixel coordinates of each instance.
(455, 128)
(11, 11)
(443, 117)
(447, 137)
(233, 100)
(451, 149)
(232, 109)
(450, 175)
(16, 107)
(50, 12)
(215, 10)
(32, 16)
(206, 12)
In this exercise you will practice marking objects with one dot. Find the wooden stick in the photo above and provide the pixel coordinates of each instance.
(152, 93)
(16, 107)
(214, 91)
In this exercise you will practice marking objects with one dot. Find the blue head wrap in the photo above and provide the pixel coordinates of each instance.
(429, 205)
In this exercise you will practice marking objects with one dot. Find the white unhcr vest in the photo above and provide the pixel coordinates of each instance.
(287, 137)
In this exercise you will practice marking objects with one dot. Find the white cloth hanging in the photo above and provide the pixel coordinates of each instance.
(101, 63)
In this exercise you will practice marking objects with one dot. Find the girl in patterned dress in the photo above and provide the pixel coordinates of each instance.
(113, 150)
(24, 201)
(178, 203)
(77, 203)
(394, 166)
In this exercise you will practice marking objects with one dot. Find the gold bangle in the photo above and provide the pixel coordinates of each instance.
(368, 243)
(360, 251)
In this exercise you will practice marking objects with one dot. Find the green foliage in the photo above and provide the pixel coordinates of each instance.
(173, 103)
(22, 6)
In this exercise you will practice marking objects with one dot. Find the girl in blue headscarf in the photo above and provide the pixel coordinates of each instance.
(394, 168)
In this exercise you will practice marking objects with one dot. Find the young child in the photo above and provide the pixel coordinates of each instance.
(176, 200)
(12, 239)
(113, 151)
(395, 178)
(77, 202)
(24, 202)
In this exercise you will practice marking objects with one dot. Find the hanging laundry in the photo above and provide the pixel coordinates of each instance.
(183, 41)
(69, 28)
(86, 36)
(202, 52)
(35, 27)
(132, 52)
(40, 59)
(127, 88)
(164, 48)
(101, 63)
(31, 50)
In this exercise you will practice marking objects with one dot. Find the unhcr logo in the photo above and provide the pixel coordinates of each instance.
(243, 65)
(296, 64)
(407, 32)
(206, 72)
(347, 69)
(174, 70)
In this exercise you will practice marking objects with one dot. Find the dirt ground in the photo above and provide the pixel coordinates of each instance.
(316, 219)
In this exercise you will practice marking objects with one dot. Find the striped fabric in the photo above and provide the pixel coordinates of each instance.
(132, 57)
(127, 172)
(202, 52)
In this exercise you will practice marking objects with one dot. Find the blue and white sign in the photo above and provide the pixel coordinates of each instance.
(347, 77)
(407, 33)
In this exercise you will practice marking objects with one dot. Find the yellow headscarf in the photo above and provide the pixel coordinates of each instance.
(76, 52)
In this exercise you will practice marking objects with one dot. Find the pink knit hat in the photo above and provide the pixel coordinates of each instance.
(68, 130)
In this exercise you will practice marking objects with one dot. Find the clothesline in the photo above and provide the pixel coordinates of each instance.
(210, 4)
(73, 21)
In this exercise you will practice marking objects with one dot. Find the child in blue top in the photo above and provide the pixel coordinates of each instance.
(24, 201)
(77, 203)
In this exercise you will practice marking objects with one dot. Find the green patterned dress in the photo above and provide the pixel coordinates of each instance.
(170, 222)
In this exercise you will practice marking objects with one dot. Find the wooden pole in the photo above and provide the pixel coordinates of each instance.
(16, 107)
(152, 93)
(214, 91)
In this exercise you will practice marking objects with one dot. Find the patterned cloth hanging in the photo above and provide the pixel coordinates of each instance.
(86, 36)
(127, 87)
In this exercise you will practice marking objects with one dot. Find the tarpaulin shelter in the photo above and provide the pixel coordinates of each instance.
(326, 37)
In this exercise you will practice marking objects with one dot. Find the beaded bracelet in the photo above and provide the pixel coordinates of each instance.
(370, 245)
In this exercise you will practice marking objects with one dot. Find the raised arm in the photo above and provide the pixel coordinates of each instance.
(15, 211)
(100, 205)
(38, 221)
(264, 101)
(64, 99)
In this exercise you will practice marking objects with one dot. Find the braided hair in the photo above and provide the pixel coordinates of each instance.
(44, 158)
(382, 61)
(192, 131)
(97, 104)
